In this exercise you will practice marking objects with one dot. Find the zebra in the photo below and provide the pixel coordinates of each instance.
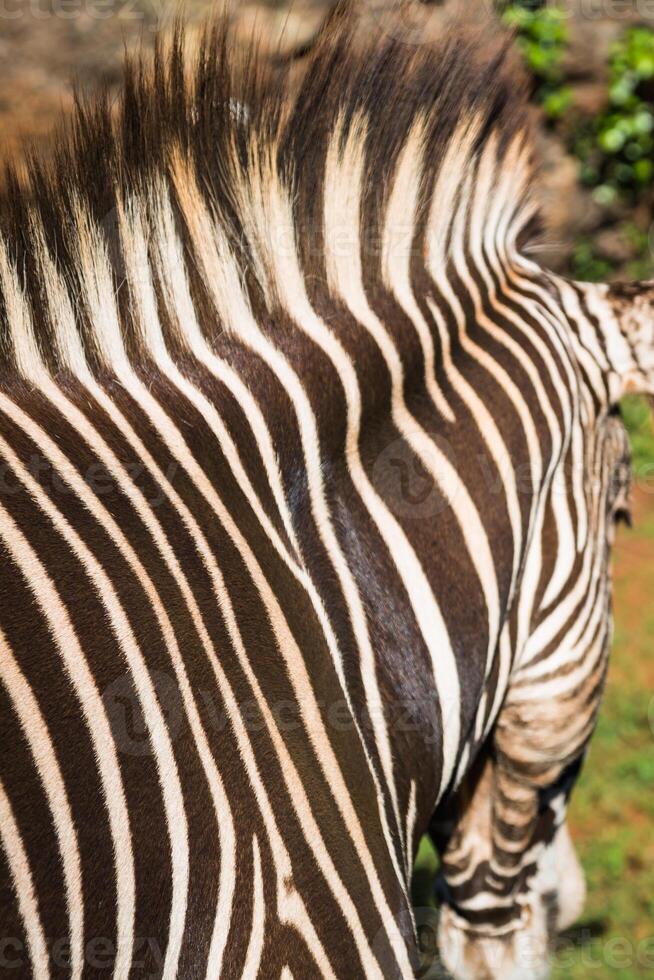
(310, 477)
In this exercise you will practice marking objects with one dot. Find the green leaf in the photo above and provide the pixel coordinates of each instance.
(612, 140)
(644, 171)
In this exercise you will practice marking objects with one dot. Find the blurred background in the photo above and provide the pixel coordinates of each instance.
(591, 64)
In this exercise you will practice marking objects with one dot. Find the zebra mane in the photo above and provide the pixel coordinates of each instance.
(219, 181)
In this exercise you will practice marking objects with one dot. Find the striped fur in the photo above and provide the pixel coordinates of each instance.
(309, 480)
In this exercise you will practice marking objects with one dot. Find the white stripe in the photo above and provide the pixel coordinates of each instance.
(489, 432)
(215, 263)
(302, 686)
(112, 465)
(21, 333)
(165, 760)
(526, 274)
(583, 624)
(67, 643)
(343, 188)
(505, 233)
(500, 202)
(410, 827)
(342, 210)
(36, 732)
(233, 309)
(21, 876)
(446, 189)
(397, 251)
(495, 229)
(257, 930)
(620, 355)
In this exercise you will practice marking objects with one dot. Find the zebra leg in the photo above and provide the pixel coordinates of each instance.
(510, 878)
(571, 881)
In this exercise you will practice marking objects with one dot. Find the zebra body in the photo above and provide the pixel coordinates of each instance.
(309, 484)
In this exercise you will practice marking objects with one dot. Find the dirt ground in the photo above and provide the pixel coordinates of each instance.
(49, 46)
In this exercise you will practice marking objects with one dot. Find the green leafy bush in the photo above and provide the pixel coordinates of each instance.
(642, 264)
(542, 37)
(617, 148)
(587, 264)
(590, 263)
(637, 415)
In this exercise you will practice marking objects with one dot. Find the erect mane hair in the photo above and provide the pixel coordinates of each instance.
(220, 128)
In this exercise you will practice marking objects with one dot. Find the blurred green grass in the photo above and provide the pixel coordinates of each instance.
(612, 809)
(637, 414)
